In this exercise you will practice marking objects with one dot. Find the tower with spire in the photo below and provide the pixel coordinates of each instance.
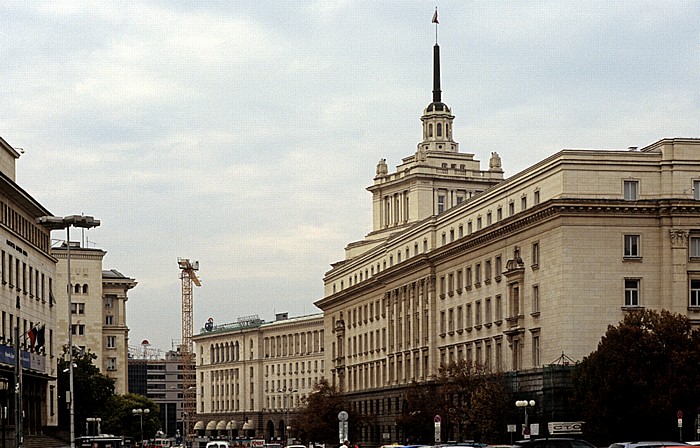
(434, 179)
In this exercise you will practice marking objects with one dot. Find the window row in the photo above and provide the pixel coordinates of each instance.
(299, 367)
(472, 315)
(9, 322)
(27, 229)
(16, 274)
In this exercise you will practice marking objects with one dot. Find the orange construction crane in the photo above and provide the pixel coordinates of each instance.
(188, 275)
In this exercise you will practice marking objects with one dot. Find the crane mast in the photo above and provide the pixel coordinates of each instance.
(188, 275)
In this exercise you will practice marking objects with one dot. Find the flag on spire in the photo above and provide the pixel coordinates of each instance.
(435, 17)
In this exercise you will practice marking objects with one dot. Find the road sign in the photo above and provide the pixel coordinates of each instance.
(512, 428)
(679, 414)
(342, 416)
(437, 419)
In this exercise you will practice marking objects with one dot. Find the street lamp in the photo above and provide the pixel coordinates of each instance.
(140, 413)
(96, 421)
(287, 396)
(525, 404)
(56, 223)
(3, 410)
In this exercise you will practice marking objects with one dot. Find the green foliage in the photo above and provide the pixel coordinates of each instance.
(91, 389)
(120, 420)
(472, 402)
(643, 371)
(318, 416)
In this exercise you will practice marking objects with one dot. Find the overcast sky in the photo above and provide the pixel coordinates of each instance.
(243, 133)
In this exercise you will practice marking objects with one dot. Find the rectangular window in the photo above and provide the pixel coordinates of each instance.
(489, 313)
(499, 267)
(450, 320)
(511, 209)
(499, 308)
(695, 293)
(631, 246)
(535, 254)
(631, 188)
(109, 320)
(468, 277)
(441, 204)
(487, 271)
(460, 283)
(536, 199)
(631, 292)
(536, 350)
(450, 283)
(460, 322)
(694, 242)
(477, 313)
(478, 223)
(477, 274)
(696, 190)
(535, 298)
(111, 363)
(442, 322)
(523, 203)
(111, 342)
(499, 214)
(489, 219)
(469, 228)
(77, 308)
(461, 231)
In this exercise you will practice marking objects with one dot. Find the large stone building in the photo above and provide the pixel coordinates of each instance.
(28, 302)
(514, 275)
(510, 274)
(252, 374)
(98, 314)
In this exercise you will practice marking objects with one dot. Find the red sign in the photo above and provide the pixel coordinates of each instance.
(679, 414)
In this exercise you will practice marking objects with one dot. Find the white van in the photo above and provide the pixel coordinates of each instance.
(218, 444)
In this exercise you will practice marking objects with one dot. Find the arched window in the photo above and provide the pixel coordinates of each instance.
(77, 289)
(85, 289)
(430, 130)
(439, 129)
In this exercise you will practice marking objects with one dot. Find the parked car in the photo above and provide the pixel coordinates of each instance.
(553, 442)
(647, 444)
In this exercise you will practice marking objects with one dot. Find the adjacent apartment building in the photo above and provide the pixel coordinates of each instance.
(98, 310)
(160, 379)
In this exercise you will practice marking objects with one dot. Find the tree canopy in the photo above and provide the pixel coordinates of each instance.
(318, 413)
(91, 388)
(643, 372)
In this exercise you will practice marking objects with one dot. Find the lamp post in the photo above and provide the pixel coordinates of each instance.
(525, 404)
(140, 413)
(287, 396)
(96, 421)
(56, 223)
(3, 410)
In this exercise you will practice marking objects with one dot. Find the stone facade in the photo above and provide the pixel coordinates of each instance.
(252, 374)
(28, 273)
(99, 310)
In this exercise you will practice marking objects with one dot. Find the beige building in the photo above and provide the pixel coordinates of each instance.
(511, 275)
(252, 375)
(98, 310)
(28, 302)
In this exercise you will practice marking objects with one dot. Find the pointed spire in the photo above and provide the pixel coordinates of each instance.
(437, 93)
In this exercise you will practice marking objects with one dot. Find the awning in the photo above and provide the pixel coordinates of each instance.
(211, 425)
(232, 425)
(199, 425)
(221, 425)
(247, 426)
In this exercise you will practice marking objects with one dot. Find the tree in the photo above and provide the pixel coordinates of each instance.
(319, 410)
(472, 402)
(91, 389)
(476, 401)
(643, 371)
(120, 420)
